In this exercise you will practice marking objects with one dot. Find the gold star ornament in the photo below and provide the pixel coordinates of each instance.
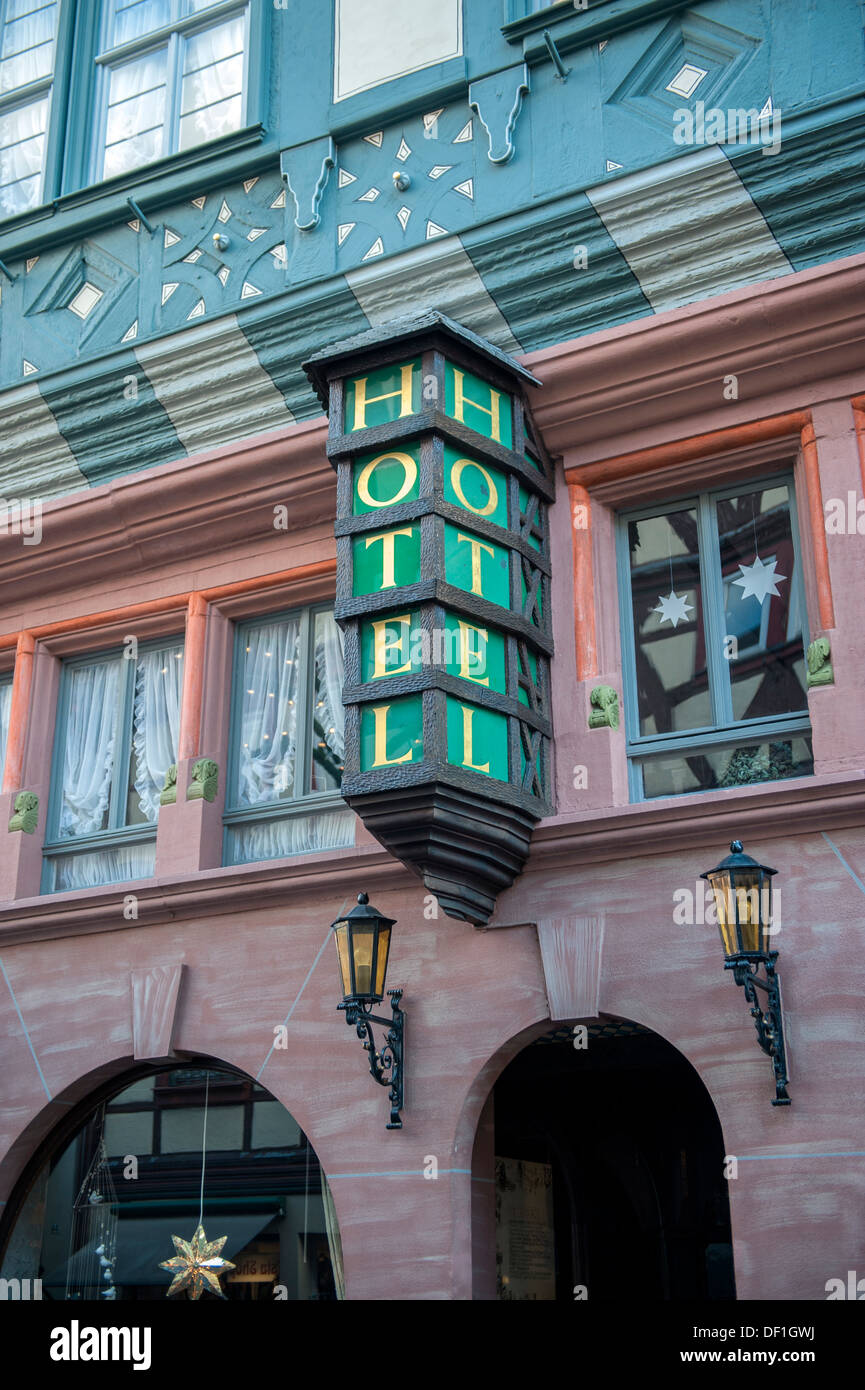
(198, 1265)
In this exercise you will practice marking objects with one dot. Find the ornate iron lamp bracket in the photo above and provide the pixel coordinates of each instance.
(769, 1024)
(385, 1066)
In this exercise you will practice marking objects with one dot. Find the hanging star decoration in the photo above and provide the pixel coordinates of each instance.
(673, 609)
(759, 580)
(198, 1265)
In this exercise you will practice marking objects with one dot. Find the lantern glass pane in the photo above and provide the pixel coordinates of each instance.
(381, 962)
(748, 907)
(725, 907)
(340, 933)
(363, 956)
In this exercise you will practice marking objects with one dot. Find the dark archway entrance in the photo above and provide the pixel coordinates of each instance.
(609, 1172)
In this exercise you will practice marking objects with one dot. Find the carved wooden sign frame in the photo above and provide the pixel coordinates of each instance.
(443, 593)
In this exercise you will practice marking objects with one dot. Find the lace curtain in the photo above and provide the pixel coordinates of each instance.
(277, 839)
(27, 44)
(268, 721)
(155, 724)
(92, 731)
(329, 667)
(268, 769)
(211, 100)
(93, 868)
(88, 760)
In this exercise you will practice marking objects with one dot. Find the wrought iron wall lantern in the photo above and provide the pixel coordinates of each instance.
(362, 945)
(743, 901)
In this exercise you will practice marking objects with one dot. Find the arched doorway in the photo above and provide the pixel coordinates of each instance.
(94, 1216)
(607, 1167)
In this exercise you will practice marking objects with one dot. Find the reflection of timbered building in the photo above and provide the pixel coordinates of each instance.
(717, 663)
(433, 467)
(136, 1164)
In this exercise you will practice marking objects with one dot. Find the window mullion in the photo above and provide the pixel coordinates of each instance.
(235, 730)
(799, 578)
(303, 742)
(712, 584)
(626, 619)
(122, 746)
(173, 80)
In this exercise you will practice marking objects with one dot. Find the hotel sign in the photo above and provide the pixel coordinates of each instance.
(443, 592)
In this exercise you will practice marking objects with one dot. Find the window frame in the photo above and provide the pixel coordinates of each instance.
(599, 20)
(169, 36)
(307, 802)
(114, 835)
(638, 747)
(232, 1089)
(54, 87)
(69, 189)
(516, 10)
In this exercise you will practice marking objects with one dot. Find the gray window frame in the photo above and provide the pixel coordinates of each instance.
(170, 36)
(299, 804)
(725, 730)
(116, 834)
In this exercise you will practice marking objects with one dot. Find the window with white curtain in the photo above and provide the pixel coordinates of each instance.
(172, 74)
(117, 726)
(5, 707)
(28, 32)
(287, 748)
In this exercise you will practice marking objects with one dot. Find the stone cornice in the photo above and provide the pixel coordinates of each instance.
(800, 806)
(213, 893)
(783, 339)
(667, 827)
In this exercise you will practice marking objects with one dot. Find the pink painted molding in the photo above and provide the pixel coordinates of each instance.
(150, 520)
(858, 404)
(791, 342)
(22, 680)
(202, 896)
(707, 819)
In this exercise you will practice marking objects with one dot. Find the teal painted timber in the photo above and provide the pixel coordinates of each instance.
(545, 275)
(825, 165)
(308, 322)
(113, 422)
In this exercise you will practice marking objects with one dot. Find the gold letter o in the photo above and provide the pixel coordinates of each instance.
(456, 475)
(410, 473)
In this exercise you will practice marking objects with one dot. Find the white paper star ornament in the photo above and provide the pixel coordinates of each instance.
(673, 609)
(759, 580)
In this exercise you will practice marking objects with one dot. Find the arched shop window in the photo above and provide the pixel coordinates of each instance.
(98, 1219)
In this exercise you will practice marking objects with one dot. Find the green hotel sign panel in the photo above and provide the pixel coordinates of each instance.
(443, 594)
